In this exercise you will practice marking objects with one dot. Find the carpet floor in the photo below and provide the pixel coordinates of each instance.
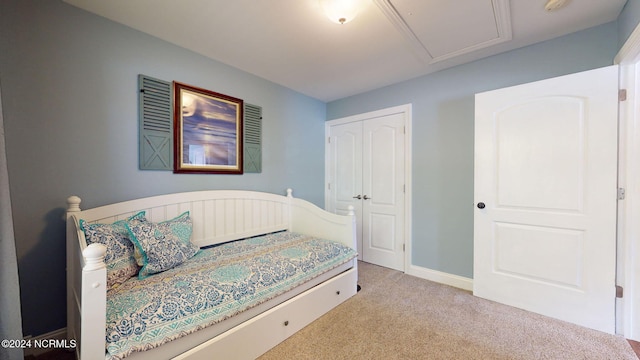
(398, 316)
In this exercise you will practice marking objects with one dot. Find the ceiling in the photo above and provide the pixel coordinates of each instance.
(292, 42)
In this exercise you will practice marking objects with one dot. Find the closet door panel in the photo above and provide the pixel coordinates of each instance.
(345, 172)
(383, 199)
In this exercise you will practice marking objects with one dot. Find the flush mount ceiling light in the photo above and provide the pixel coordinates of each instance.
(341, 11)
(553, 5)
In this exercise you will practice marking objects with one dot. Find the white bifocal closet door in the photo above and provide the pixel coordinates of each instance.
(366, 170)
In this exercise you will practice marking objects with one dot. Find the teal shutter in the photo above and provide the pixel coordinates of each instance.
(156, 124)
(252, 138)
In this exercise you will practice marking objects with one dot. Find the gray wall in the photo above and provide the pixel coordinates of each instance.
(69, 95)
(68, 82)
(443, 125)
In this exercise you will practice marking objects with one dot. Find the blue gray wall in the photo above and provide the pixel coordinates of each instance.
(69, 95)
(443, 131)
(68, 82)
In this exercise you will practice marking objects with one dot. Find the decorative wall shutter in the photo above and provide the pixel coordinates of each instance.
(156, 124)
(252, 138)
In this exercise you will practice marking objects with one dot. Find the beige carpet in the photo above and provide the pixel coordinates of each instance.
(397, 316)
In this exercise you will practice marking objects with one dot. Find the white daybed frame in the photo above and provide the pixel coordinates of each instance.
(218, 216)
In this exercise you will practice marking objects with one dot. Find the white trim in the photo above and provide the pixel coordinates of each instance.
(408, 163)
(406, 108)
(457, 281)
(59, 335)
(630, 51)
(628, 246)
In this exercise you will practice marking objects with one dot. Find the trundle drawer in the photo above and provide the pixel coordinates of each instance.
(261, 333)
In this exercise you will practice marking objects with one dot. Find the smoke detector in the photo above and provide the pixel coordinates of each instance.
(553, 5)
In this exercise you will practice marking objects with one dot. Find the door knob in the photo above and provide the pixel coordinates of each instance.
(358, 197)
(481, 205)
(366, 197)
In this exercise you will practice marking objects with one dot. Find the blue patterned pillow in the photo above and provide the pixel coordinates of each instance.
(162, 246)
(120, 260)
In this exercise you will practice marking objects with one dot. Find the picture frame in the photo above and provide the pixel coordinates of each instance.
(207, 131)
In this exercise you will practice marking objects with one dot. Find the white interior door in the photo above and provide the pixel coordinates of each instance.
(546, 193)
(366, 169)
(345, 171)
(383, 193)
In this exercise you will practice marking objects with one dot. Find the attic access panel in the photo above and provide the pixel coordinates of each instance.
(443, 29)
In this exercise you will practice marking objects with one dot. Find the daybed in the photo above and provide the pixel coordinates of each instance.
(272, 227)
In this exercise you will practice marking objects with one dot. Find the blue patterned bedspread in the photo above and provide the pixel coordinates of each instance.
(216, 284)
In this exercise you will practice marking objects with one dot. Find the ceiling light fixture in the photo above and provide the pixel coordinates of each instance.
(340, 11)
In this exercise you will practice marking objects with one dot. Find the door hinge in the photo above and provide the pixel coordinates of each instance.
(328, 186)
(329, 140)
(621, 193)
(403, 247)
(619, 291)
(622, 95)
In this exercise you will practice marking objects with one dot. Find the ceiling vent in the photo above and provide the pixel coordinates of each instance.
(446, 29)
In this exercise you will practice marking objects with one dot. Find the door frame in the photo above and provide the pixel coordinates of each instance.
(628, 244)
(406, 110)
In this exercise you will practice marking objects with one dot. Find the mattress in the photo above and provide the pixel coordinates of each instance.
(216, 284)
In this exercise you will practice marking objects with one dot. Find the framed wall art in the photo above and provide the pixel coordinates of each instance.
(208, 131)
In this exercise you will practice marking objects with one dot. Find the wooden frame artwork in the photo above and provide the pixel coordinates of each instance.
(208, 131)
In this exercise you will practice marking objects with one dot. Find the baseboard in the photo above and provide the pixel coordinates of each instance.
(60, 335)
(460, 282)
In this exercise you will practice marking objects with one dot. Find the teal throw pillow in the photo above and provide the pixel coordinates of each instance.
(162, 246)
(120, 260)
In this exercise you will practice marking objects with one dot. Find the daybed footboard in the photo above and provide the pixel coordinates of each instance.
(86, 289)
(218, 216)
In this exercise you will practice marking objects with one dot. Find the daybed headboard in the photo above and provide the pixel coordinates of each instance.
(218, 215)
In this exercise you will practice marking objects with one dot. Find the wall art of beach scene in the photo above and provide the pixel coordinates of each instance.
(209, 130)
